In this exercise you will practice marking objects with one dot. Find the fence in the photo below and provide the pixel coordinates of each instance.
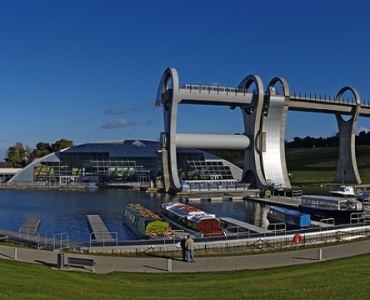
(245, 241)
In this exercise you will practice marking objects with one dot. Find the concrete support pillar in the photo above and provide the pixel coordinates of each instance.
(253, 170)
(167, 96)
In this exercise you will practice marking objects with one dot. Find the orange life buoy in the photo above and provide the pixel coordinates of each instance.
(297, 238)
(153, 233)
(168, 232)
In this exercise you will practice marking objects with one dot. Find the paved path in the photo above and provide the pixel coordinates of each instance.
(107, 264)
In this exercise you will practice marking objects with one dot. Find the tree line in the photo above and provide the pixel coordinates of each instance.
(19, 155)
(363, 138)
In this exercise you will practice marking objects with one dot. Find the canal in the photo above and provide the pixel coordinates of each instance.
(64, 211)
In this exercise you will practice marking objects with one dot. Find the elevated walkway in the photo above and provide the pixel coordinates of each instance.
(215, 95)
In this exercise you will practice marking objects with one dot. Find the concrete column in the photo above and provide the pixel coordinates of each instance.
(252, 170)
(167, 96)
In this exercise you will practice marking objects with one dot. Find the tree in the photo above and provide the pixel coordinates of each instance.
(41, 150)
(61, 144)
(16, 156)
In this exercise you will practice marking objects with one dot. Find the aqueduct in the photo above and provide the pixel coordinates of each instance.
(264, 115)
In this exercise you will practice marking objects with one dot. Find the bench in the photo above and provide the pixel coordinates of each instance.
(81, 262)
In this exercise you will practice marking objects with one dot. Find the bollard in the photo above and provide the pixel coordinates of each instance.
(15, 253)
(169, 265)
(60, 261)
(320, 254)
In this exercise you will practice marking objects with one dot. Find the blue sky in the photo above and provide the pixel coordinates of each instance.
(89, 70)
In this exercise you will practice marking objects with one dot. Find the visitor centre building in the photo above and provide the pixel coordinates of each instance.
(123, 163)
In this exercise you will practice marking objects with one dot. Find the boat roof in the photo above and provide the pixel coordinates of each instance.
(344, 187)
(329, 198)
(187, 211)
(140, 210)
(286, 211)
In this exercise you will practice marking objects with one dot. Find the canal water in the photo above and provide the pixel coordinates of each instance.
(65, 211)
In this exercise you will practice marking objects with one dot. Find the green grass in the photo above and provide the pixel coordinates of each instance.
(340, 279)
(317, 166)
(311, 166)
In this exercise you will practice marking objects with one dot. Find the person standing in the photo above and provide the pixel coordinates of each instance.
(189, 244)
(183, 247)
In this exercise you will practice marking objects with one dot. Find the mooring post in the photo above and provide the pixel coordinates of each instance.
(320, 254)
(169, 265)
(15, 254)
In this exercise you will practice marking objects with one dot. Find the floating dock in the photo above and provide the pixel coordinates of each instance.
(244, 225)
(98, 230)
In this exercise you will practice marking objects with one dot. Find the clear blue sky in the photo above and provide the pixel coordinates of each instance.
(89, 70)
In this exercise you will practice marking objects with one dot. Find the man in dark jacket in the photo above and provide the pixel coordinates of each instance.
(183, 247)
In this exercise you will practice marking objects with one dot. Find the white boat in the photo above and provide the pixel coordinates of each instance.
(341, 209)
(344, 191)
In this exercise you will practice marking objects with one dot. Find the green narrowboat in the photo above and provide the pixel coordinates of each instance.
(144, 223)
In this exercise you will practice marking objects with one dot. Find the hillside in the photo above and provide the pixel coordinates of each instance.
(318, 165)
(311, 166)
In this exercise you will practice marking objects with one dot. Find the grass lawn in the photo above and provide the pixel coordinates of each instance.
(317, 166)
(311, 166)
(340, 279)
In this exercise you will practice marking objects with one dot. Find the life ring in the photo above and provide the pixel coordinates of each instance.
(297, 238)
(168, 232)
(153, 233)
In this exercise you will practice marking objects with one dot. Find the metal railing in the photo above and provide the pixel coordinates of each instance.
(357, 218)
(237, 231)
(62, 242)
(56, 241)
(278, 227)
(213, 89)
(109, 238)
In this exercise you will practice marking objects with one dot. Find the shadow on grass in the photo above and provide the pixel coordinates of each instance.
(44, 263)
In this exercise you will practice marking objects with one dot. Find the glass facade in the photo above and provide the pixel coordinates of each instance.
(129, 161)
(208, 170)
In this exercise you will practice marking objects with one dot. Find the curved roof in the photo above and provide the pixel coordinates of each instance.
(128, 148)
(122, 148)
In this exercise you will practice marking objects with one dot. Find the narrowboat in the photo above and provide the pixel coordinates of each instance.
(144, 223)
(192, 219)
(293, 219)
(324, 207)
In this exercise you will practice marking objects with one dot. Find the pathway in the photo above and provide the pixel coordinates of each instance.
(107, 264)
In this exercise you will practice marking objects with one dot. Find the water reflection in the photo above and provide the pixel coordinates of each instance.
(65, 211)
(256, 213)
